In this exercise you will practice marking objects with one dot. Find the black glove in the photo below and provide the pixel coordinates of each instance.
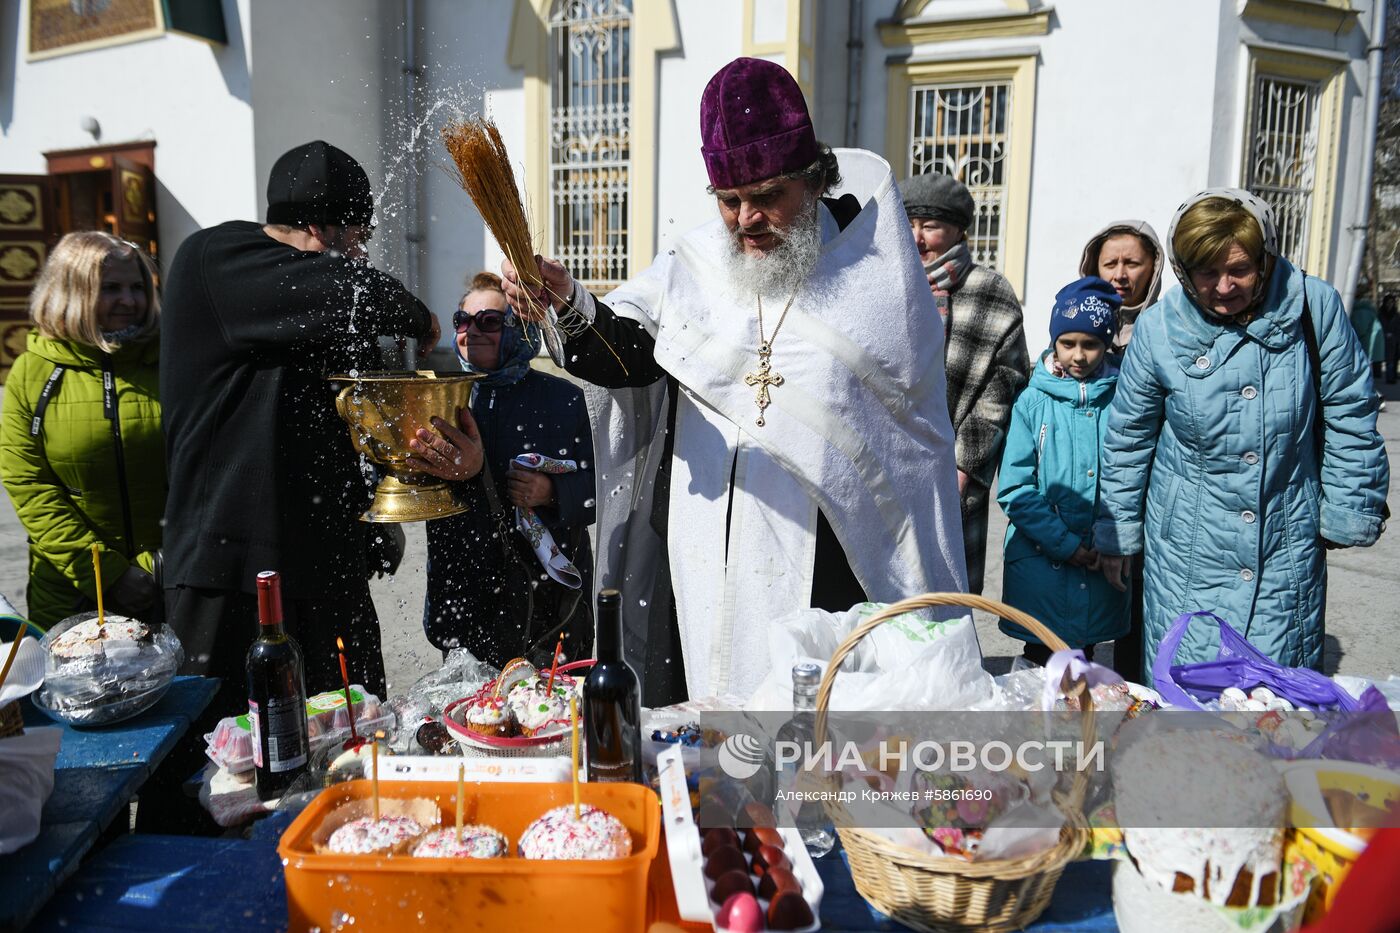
(134, 591)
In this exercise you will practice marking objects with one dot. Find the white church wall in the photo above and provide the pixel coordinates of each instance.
(462, 50)
(710, 38)
(1123, 130)
(323, 69)
(192, 98)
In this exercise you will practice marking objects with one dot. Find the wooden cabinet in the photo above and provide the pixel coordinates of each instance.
(109, 188)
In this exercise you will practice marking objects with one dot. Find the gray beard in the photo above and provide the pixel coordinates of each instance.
(782, 270)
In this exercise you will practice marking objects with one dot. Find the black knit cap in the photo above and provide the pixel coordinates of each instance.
(933, 196)
(317, 183)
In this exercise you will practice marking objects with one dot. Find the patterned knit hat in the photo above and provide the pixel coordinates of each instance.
(1086, 306)
(754, 124)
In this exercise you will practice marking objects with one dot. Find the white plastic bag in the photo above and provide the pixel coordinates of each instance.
(26, 780)
(908, 663)
(27, 674)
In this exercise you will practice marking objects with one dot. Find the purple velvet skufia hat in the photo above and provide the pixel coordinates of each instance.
(754, 124)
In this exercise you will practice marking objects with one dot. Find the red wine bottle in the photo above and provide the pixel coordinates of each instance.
(612, 705)
(276, 697)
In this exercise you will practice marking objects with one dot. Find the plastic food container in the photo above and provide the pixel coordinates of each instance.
(230, 745)
(405, 893)
(1332, 850)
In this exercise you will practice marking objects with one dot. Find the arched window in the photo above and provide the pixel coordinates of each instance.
(590, 119)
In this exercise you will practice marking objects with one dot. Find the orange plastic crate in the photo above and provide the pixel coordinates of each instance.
(364, 892)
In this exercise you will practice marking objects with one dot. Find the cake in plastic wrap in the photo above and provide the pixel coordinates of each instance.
(103, 671)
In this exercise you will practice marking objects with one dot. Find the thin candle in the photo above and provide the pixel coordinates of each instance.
(97, 577)
(461, 797)
(14, 652)
(573, 719)
(349, 705)
(549, 687)
(374, 772)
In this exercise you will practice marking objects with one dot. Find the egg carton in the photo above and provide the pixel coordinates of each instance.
(693, 889)
(230, 745)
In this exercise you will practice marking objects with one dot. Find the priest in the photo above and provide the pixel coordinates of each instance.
(770, 424)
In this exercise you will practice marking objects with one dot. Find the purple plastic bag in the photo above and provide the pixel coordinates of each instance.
(1239, 664)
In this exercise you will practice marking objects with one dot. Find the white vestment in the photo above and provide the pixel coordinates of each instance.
(859, 427)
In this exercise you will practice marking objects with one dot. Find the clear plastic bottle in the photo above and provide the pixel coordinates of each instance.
(813, 824)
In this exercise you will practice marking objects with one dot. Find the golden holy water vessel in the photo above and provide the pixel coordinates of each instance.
(385, 411)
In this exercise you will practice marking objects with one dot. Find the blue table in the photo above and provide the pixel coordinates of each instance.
(149, 884)
(98, 772)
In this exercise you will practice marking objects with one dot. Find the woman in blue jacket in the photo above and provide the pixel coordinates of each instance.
(1049, 484)
(1231, 459)
(498, 603)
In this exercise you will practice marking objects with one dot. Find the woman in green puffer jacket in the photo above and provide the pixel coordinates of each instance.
(78, 476)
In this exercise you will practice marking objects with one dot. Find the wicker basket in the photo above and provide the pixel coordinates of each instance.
(932, 893)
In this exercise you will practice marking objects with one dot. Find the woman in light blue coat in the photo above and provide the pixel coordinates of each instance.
(1225, 460)
(1049, 480)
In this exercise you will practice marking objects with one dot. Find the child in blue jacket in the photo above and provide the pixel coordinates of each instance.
(1049, 482)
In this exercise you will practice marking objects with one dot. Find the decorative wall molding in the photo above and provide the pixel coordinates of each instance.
(1332, 16)
(911, 24)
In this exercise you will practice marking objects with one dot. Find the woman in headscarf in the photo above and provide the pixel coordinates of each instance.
(1242, 442)
(1128, 255)
(500, 583)
(984, 346)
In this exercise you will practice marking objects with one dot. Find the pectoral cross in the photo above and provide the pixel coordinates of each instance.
(764, 378)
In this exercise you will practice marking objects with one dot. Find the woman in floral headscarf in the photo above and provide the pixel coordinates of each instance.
(1242, 441)
(488, 589)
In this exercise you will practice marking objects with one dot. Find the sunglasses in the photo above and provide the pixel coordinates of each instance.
(487, 321)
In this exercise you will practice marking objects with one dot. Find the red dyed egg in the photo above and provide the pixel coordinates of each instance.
(777, 879)
(723, 859)
(789, 911)
(769, 857)
(731, 883)
(715, 838)
(757, 814)
(761, 835)
(741, 914)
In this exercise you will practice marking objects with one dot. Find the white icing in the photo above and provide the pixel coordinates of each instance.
(477, 842)
(370, 835)
(486, 713)
(88, 638)
(1228, 783)
(597, 834)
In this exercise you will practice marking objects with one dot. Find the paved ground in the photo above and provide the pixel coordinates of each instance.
(1363, 621)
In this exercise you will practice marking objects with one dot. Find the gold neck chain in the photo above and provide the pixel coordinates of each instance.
(768, 342)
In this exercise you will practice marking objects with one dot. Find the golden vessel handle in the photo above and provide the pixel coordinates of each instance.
(341, 405)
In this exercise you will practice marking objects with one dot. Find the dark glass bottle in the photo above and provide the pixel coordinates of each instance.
(276, 697)
(612, 703)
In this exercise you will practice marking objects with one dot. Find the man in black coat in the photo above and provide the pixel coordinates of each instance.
(262, 472)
